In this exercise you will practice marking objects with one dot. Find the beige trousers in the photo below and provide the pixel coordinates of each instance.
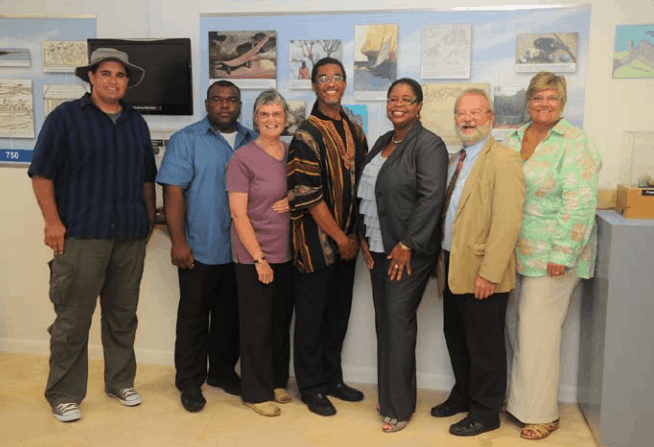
(536, 311)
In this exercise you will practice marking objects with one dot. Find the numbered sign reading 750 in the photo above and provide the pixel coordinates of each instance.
(15, 156)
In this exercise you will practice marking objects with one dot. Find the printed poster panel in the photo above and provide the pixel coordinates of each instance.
(303, 53)
(297, 115)
(358, 113)
(375, 60)
(64, 56)
(54, 95)
(510, 110)
(555, 52)
(446, 51)
(15, 57)
(634, 52)
(247, 58)
(438, 109)
(16, 108)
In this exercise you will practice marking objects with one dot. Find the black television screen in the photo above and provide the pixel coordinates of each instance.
(166, 88)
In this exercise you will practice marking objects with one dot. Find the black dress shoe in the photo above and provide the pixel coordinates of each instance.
(447, 409)
(193, 400)
(344, 392)
(319, 404)
(230, 384)
(470, 427)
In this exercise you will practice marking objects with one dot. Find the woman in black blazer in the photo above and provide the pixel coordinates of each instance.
(401, 192)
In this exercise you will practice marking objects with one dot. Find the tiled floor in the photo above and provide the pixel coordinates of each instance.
(26, 420)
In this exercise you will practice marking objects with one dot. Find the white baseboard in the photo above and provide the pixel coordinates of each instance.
(352, 374)
(41, 347)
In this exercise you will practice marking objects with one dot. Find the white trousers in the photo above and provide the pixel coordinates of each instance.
(534, 320)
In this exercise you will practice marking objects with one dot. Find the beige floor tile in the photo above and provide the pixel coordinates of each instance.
(26, 420)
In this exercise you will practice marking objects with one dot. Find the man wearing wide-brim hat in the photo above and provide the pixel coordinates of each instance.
(93, 174)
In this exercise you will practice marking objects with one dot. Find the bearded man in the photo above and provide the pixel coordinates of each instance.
(482, 218)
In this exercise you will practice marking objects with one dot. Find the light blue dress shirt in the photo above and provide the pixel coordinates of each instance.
(471, 156)
(196, 159)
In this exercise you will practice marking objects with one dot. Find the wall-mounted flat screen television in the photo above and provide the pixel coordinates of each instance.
(167, 86)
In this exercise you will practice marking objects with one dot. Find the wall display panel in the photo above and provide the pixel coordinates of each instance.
(446, 51)
(492, 62)
(64, 56)
(29, 48)
(555, 52)
(303, 53)
(634, 51)
(246, 57)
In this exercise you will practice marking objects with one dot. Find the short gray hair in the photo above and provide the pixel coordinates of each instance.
(271, 96)
(475, 91)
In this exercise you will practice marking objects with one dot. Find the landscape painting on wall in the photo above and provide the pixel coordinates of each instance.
(634, 52)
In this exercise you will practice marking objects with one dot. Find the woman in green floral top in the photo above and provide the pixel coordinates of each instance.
(555, 249)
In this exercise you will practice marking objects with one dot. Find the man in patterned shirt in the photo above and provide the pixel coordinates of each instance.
(323, 162)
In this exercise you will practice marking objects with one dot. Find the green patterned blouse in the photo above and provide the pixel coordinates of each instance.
(561, 194)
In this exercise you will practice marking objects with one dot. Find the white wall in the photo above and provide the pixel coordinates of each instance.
(611, 107)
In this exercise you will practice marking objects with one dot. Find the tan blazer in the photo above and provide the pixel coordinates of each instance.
(488, 220)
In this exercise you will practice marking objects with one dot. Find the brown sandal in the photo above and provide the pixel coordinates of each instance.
(539, 431)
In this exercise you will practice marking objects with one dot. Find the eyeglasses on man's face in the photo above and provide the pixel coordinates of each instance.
(405, 101)
(475, 113)
(324, 79)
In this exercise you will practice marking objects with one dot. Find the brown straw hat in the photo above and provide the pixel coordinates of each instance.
(134, 72)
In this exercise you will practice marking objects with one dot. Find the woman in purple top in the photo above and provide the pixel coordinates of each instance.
(256, 182)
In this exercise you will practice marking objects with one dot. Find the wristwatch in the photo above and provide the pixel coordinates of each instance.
(260, 260)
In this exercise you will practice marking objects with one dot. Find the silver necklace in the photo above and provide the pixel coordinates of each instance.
(396, 142)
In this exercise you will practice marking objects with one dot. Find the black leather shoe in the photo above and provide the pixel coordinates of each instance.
(230, 384)
(193, 400)
(319, 404)
(343, 392)
(447, 409)
(470, 427)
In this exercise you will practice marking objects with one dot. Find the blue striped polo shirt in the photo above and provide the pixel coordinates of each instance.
(98, 169)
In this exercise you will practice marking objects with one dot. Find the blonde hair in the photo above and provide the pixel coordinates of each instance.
(546, 79)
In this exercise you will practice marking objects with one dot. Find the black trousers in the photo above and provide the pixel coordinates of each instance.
(323, 300)
(207, 324)
(396, 306)
(474, 333)
(265, 318)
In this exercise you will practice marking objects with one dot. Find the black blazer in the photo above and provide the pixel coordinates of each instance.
(410, 190)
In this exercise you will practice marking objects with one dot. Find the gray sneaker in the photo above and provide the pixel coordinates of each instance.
(126, 396)
(67, 412)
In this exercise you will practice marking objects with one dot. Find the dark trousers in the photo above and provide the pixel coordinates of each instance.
(265, 318)
(111, 268)
(323, 300)
(474, 333)
(396, 306)
(207, 324)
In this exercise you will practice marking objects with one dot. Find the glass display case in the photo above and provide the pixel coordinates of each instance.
(635, 197)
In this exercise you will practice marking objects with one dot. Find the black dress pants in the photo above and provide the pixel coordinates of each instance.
(265, 319)
(323, 300)
(207, 324)
(474, 333)
(396, 307)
